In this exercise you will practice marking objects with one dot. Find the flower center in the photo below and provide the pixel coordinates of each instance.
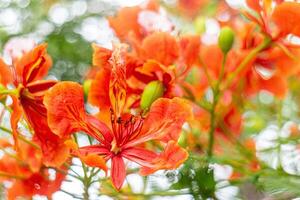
(115, 148)
(125, 128)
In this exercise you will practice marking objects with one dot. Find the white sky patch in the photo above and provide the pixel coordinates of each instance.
(59, 14)
(273, 152)
(153, 21)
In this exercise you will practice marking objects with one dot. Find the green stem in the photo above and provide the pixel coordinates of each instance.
(86, 179)
(3, 174)
(217, 90)
(267, 41)
(279, 113)
(86, 182)
(4, 91)
(150, 195)
(20, 137)
(216, 95)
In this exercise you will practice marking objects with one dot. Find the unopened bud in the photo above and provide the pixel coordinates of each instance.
(86, 86)
(226, 39)
(152, 91)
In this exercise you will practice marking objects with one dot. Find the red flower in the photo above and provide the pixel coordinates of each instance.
(127, 134)
(25, 75)
(26, 174)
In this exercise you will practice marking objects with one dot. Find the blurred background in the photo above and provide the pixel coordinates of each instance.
(71, 26)
(68, 26)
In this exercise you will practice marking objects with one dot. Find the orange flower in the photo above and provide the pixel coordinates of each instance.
(281, 57)
(25, 75)
(276, 62)
(99, 91)
(37, 184)
(189, 49)
(125, 23)
(161, 47)
(24, 170)
(286, 16)
(127, 132)
(259, 74)
(142, 67)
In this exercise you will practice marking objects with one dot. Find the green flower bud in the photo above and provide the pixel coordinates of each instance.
(86, 87)
(152, 91)
(182, 139)
(226, 39)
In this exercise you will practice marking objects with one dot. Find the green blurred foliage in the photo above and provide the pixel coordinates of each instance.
(70, 51)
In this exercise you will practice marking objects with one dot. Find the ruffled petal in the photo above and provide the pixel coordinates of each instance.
(101, 56)
(126, 22)
(65, 108)
(66, 113)
(55, 152)
(276, 85)
(161, 47)
(287, 16)
(171, 158)
(28, 187)
(189, 49)
(164, 121)
(34, 65)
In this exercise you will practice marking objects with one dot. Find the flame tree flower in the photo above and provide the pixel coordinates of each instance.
(24, 170)
(25, 75)
(127, 134)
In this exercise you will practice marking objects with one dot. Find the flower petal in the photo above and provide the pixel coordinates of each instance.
(161, 47)
(254, 4)
(171, 158)
(164, 121)
(65, 108)
(66, 113)
(99, 91)
(118, 171)
(287, 16)
(55, 152)
(95, 149)
(189, 49)
(94, 160)
(40, 87)
(139, 155)
(101, 56)
(14, 119)
(125, 22)
(5, 73)
(34, 65)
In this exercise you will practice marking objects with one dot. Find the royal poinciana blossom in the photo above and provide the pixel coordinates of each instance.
(169, 97)
(26, 75)
(24, 168)
(126, 135)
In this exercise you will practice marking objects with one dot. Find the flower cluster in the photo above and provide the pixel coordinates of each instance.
(152, 90)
